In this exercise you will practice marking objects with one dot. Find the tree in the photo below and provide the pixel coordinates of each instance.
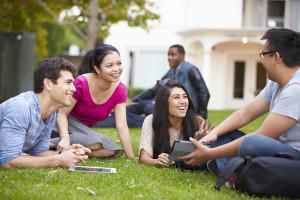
(90, 24)
(96, 17)
(27, 15)
(60, 38)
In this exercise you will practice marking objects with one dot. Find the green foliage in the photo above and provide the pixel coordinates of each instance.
(41, 18)
(134, 12)
(59, 39)
(27, 15)
(133, 91)
(132, 180)
(41, 49)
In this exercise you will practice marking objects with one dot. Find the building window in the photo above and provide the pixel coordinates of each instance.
(275, 14)
(269, 13)
(239, 79)
(261, 78)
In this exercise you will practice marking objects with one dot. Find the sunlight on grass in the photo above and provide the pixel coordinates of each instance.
(132, 180)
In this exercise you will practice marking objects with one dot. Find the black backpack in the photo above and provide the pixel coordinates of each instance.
(263, 176)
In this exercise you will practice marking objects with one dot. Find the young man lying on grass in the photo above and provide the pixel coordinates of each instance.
(26, 120)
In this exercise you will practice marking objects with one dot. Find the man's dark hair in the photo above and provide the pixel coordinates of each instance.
(98, 55)
(179, 48)
(50, 68)
(161, 124)
(286, 42)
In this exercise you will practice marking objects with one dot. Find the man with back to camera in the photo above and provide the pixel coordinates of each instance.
(26, 120)
(280, 131)
(182, 72)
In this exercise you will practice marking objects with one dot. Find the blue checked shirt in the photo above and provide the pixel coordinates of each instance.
(22, 129)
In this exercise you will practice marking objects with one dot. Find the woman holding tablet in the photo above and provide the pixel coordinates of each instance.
(173, 118)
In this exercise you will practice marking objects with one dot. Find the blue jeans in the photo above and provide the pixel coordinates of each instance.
(141, 107)
(224, 139)
(260, 145)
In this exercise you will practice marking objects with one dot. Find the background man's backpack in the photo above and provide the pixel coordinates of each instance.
(263, 176)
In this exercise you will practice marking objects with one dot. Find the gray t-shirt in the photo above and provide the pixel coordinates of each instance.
(286, 102)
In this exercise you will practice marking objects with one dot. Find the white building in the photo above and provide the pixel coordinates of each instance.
(222, 37)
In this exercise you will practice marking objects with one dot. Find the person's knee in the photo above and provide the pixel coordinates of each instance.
(251, 145)
(99, 151)
(111, 153)
(95, 147)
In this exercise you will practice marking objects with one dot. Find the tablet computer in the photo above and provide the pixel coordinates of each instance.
(181, 148)
(93, 169)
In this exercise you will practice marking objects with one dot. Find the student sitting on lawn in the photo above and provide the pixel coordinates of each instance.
(173, 118)
(97, 94)
(26, 120)
(280, 131)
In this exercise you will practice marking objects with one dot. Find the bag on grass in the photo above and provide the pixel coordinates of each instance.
(263, 176)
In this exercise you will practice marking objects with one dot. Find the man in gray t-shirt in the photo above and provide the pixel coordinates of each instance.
(286, 102)
(280, 131)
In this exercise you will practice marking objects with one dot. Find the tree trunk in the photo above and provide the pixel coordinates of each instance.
(93, 25)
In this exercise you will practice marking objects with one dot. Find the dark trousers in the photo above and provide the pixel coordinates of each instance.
(133, 121)
(135, 115)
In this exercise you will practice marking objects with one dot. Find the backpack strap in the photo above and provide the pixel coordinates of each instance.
(231, 168)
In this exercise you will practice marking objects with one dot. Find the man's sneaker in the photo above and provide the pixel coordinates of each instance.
(212, 167)
(230, 183)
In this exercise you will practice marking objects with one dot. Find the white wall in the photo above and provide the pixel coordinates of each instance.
(199, 25)
(201, 13)
(152, 66)
(213, 13)
(138, 41)
(222, 77)
(176, 16)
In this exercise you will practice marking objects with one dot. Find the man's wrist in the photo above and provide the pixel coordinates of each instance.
(64, 136)
(56, 161)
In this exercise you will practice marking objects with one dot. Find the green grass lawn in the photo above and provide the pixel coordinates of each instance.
(132, 180)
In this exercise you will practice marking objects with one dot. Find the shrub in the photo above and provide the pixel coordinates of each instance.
(133, 91)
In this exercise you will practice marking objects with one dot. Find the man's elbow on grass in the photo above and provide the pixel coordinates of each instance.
(6, 160)
(7, 164)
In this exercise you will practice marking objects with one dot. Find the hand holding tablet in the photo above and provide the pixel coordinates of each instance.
(181, 148)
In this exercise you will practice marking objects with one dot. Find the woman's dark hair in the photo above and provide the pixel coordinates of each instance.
(86, 62)
(50, 68)
(286, 42)
(161, 124)
(97, 55)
